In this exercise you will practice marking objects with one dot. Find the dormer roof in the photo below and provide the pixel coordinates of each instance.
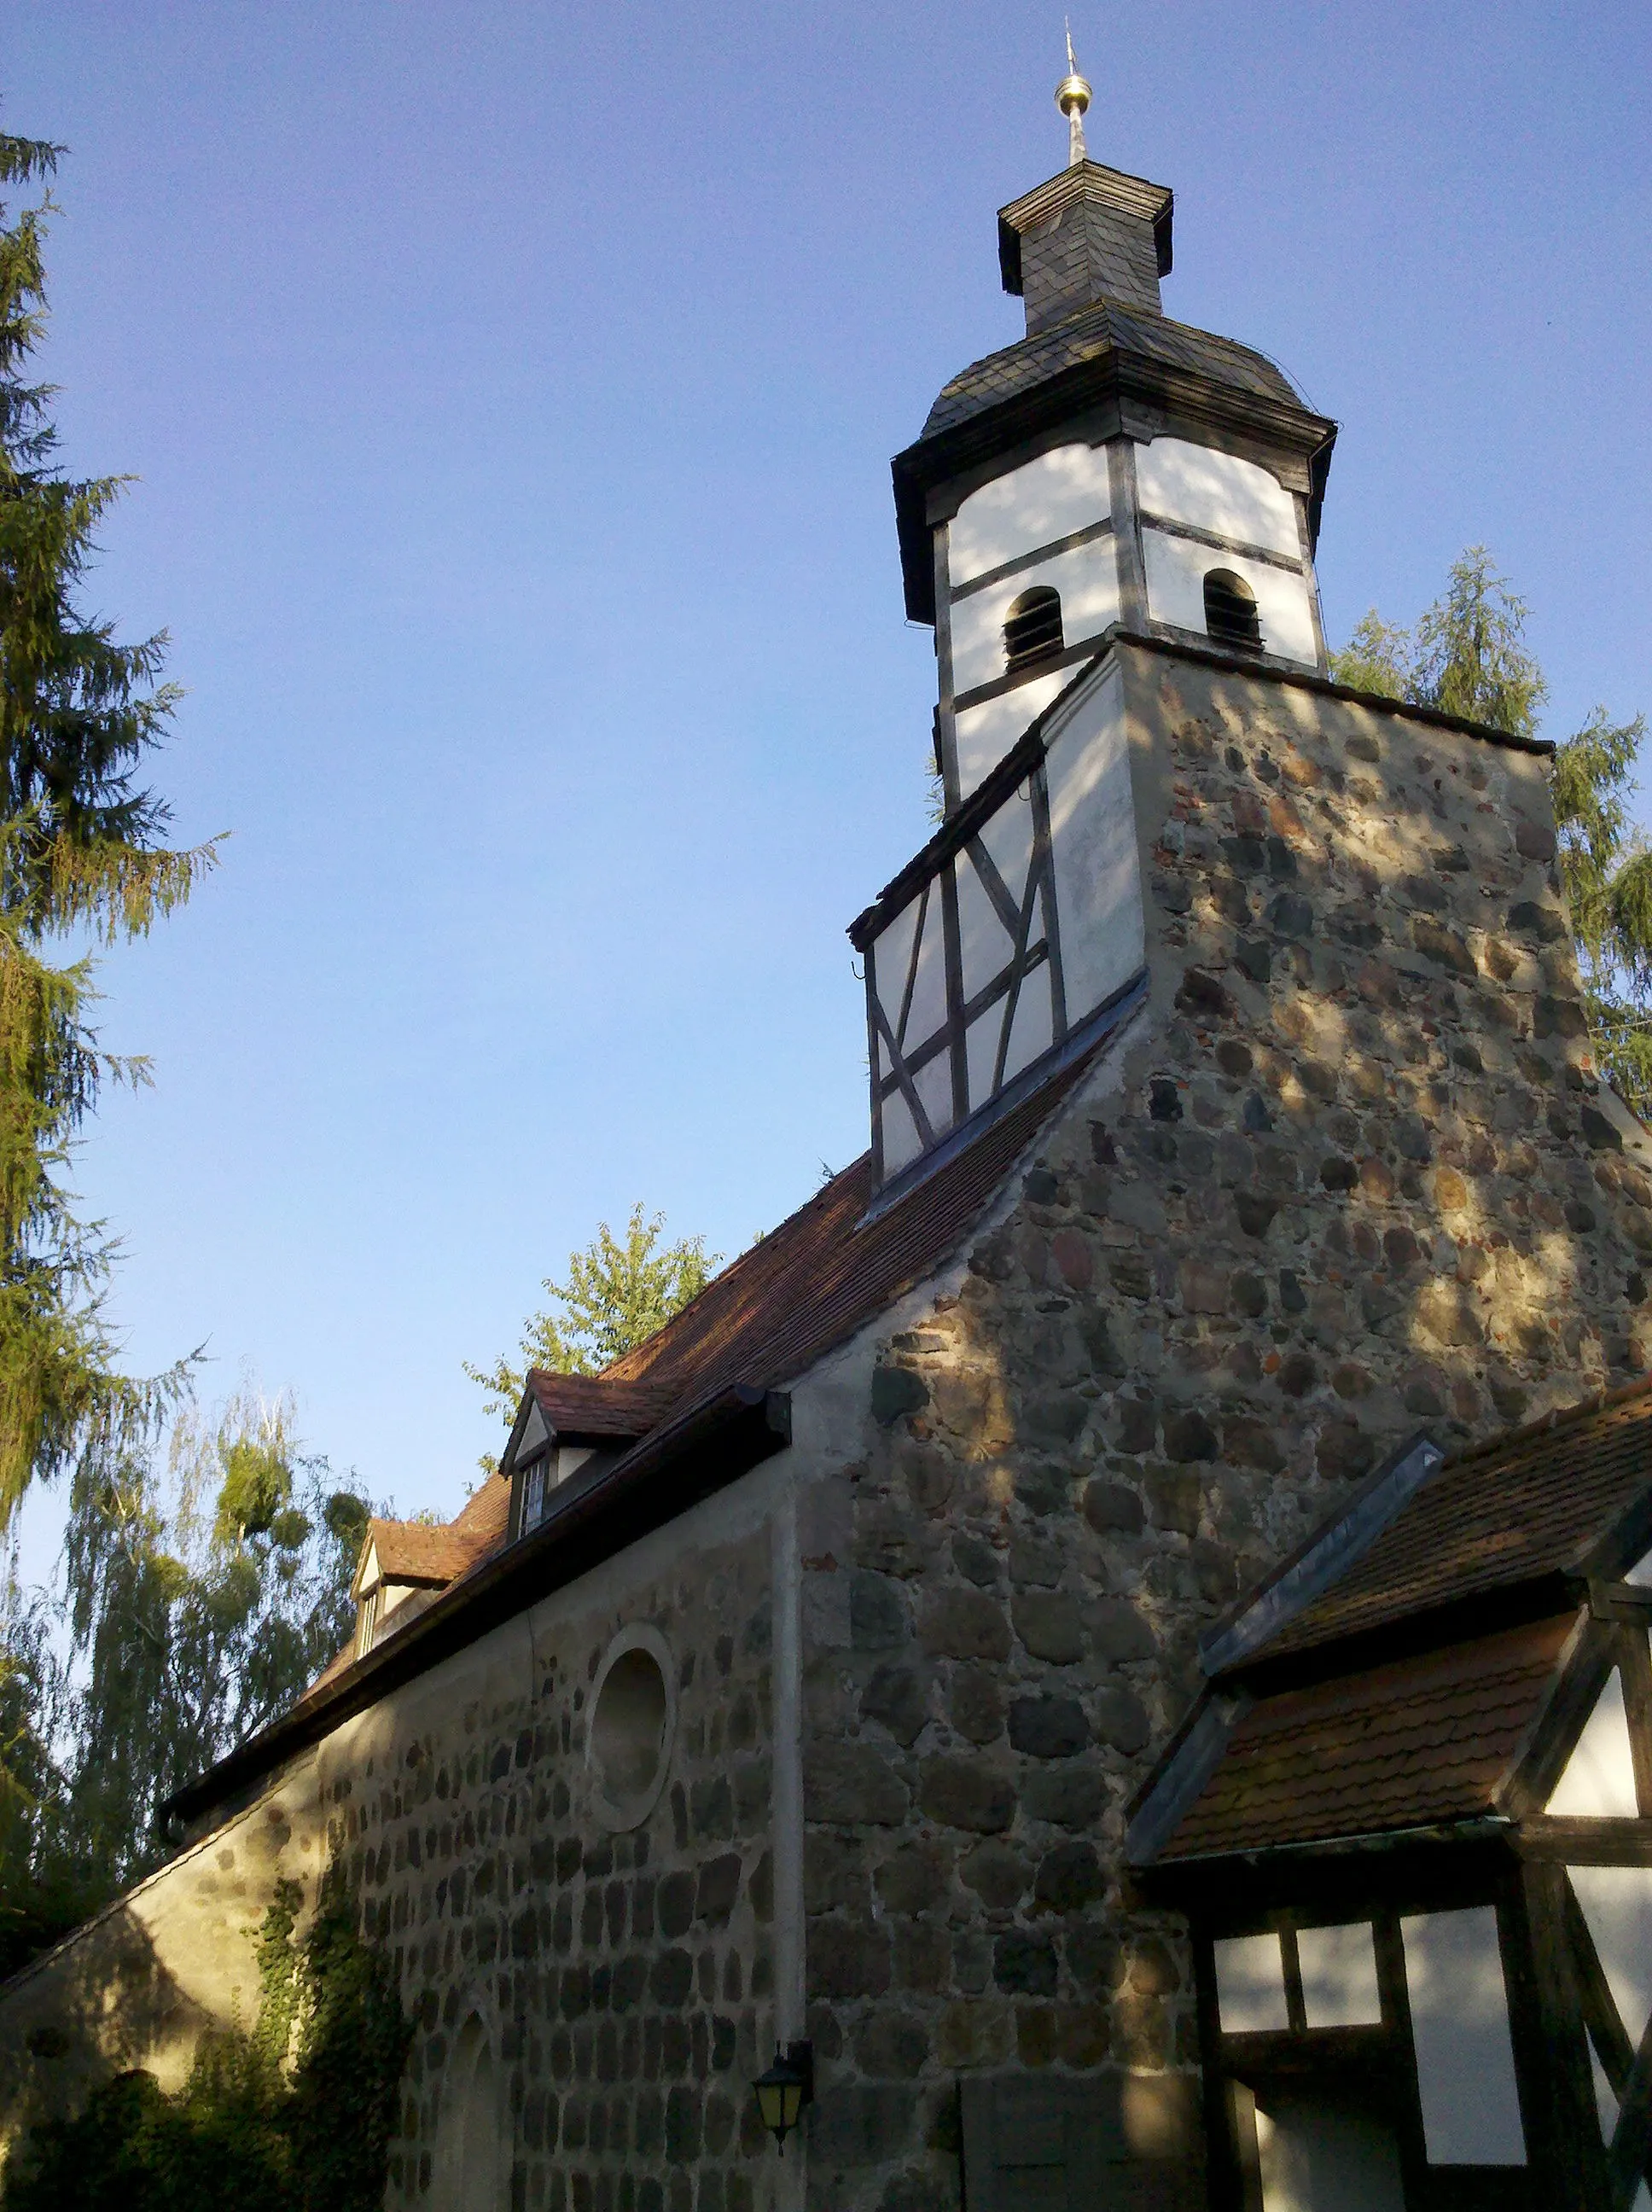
(593, 1408)
(1438, 1685)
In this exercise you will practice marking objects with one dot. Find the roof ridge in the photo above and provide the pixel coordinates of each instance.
(616, 1370)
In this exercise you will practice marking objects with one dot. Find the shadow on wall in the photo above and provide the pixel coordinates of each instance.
(101, 2004)
(1347, 1175)
(471, 2167)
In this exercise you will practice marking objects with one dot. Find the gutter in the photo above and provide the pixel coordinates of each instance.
(703, 1450)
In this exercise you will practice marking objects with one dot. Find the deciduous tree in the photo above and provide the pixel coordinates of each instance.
(618, 1291)
(205, 1588)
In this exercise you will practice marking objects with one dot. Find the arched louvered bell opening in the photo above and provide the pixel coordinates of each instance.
(1032, 629)
(1231, 615)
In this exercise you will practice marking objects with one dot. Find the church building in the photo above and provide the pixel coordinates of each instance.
(1105, 1661)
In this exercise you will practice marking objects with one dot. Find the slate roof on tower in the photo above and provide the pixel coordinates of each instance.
(1087, 336)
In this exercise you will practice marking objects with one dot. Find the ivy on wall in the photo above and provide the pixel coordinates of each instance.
(295, 2116)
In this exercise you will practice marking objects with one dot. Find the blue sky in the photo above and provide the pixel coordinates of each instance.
(512, 389)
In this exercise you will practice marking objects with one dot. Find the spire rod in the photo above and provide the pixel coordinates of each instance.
(1072, 98)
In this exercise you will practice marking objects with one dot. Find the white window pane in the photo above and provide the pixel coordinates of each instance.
(1616, 1903)
(1338, 1975)
(1250, 1985)
(1459, 2026)
(1599, 1780)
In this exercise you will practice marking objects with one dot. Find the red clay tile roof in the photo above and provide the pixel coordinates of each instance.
(1526, 1505)
(582, 1406)
(486, 1513)
(1422, 1741)
(419, 1552)
(813, 1280)
(799, 1291)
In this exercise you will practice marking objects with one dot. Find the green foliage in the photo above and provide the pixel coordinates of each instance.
(80, 851)
(1606, 866)
(295, 2117)
(201, 1594)
(617, 1295)
(1376, 658)
(1467, 655)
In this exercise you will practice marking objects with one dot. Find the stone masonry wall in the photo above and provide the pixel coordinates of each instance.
(1347, 1175)
(622, 1982)
(626, 1972)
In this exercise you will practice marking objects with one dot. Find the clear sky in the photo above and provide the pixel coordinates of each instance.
(511, 390)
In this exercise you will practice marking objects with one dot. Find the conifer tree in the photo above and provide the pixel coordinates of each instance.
(82, 858)
(1467, 655)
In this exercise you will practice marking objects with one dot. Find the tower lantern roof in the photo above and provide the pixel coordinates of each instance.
(1088, 235)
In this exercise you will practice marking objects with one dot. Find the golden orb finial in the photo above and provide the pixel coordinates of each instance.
(1072, 98)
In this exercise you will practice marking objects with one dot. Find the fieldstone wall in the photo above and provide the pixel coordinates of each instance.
(623, 1977)
(622, 1984)
(1348, 1175)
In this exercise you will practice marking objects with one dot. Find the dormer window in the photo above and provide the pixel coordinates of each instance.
(1231, 615)
(1032, 629)
(533, 1493)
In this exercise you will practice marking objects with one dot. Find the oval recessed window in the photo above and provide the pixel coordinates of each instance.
(633, 1715)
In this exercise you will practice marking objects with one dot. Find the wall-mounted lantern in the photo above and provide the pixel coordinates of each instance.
(785, 2089)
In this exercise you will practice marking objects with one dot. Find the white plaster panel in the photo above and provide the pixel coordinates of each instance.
(1027, 508)
(1216, 491)
(1320, 2157)
(1641, 1573)
(985, 733)
(1250, 1985)
(1030, 1029)
(1007, 838)
(891, 957)
(928, 1008)
(934, 1084)
(980, 1042)
(1616, 1903)
(1093, 838)
(1460, 2029)
(1598, 1782)
(901, 1144)
(1086, 576)
(984, 944)
(1338, 1975)
(1176, 569)
(570, 1458)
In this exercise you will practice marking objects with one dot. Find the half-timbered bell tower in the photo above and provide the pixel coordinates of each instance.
(1113, 474)
(1112, 467)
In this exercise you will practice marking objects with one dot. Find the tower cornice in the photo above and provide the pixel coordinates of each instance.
(1114, 391)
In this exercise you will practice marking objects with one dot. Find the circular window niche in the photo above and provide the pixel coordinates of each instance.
(633, 1717)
